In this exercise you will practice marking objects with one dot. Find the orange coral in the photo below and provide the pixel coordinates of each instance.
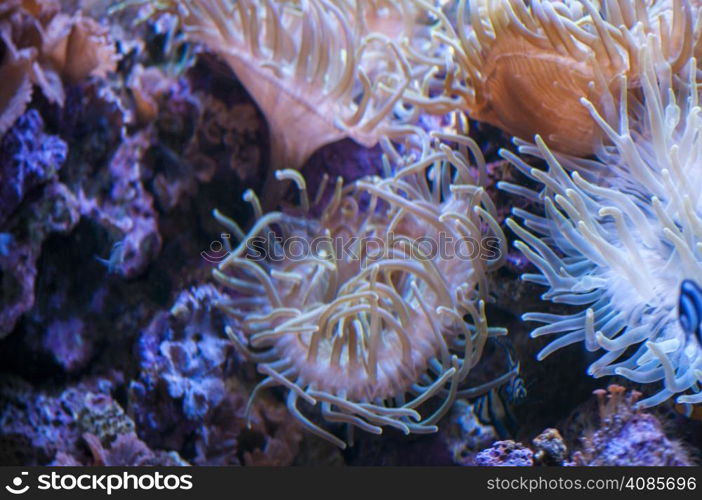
(16, 89)
(44, 47)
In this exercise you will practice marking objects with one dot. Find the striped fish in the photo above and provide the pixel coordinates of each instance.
(495, 407)
(690, 317)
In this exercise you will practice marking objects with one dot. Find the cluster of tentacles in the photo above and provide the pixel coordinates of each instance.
(358, 310)
(608, 91)
(621, 235)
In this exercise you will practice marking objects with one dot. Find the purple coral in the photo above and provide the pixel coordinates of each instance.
(28, 158)
(182, 356)
(17, 275)
(56, 210)
(627, 436)
(38, 426)
(128, 450)
(505, 454)
(189, 375)
(127, 210)
(188, 398)
(68, 342)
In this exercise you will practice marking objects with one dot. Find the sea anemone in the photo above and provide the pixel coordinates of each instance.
(524, 66)
(621, 235)
(316, 68)
(366, 317)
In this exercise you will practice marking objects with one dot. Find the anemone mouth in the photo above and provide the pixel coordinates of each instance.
(368, 322)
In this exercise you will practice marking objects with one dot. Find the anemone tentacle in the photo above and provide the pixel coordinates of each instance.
(369, 323)
(621, 238)
(523, 66)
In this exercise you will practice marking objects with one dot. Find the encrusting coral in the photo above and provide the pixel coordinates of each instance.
(615, 433)
(628, 437)
(621, 235)
(361, 317)
(30, 158)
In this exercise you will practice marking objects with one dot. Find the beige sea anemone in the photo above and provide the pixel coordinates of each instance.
(355, 311)
(524, 66)
(319, 70)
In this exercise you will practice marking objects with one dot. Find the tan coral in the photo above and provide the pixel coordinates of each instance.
(16, 88)
(44, 47)
(78, 47)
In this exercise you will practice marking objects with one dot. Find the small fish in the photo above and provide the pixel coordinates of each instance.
(693, 412)
(690, 308)
(115, 259)
(6, 240)
(495, 407)
(690, 316)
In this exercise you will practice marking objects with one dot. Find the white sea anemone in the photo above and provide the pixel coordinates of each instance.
(620, 235)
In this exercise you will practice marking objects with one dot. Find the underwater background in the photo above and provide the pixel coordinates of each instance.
(136, 139)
